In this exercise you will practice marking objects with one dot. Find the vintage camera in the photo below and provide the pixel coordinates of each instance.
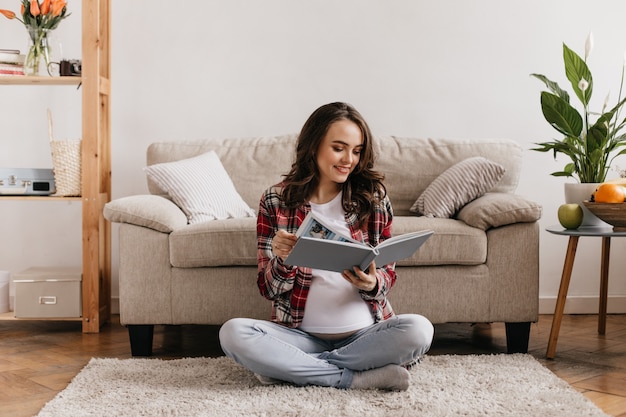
(70, 68)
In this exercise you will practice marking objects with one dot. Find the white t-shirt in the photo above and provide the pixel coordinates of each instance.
(333, 305)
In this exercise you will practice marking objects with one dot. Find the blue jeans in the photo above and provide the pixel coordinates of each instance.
(294, 356)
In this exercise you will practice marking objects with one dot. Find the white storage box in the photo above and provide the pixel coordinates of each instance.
(48, 292)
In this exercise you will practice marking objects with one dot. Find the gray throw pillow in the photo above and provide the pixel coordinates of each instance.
(457, 186)
(499, 209)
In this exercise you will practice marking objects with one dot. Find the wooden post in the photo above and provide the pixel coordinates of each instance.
(96, 163)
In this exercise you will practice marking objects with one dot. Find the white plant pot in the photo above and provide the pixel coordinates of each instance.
(577, 193)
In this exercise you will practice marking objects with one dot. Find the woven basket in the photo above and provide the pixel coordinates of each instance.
(66, 166)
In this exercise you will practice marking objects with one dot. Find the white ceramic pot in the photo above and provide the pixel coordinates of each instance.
(577, 193)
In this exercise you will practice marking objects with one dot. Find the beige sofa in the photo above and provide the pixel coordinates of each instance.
(480, 266)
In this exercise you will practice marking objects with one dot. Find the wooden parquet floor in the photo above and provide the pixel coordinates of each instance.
(39, 358)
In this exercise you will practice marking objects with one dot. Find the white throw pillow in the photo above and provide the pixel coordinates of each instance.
(457, 186)
(201, 187)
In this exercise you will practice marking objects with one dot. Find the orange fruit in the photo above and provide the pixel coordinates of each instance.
(609, 193)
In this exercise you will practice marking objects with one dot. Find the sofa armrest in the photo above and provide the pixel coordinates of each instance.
(499, 209)
(152, 211)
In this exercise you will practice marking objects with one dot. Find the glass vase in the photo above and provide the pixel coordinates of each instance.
(38, 57)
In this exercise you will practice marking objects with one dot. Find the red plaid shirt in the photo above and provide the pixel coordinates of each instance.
(286, 286)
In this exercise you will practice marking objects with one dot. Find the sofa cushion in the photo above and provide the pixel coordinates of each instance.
(452, 243)
(457, 186)
(499, 209)
(216, 243)
(232, 242)
(201, 187)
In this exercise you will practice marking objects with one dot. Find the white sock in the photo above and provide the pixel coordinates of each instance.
(266, 380)
(389, 377)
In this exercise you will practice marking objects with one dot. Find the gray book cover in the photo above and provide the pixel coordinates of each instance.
(339, 255)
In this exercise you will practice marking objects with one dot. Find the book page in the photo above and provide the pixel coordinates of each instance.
(401, 247)
(406, 236)
(313, 227)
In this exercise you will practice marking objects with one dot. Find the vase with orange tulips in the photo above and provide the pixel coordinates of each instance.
(39, 18)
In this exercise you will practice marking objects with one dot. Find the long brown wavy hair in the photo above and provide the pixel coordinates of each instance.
(364, 187)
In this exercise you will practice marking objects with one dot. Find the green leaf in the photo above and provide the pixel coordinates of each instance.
(622, 152)
(561, 115)
(598, 133)
(553, 87)
(569, 169)
(576, 69)
(596, 157)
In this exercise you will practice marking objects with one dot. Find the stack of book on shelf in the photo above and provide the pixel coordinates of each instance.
(11, 62)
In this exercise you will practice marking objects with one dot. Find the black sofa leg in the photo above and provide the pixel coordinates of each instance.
(517, 336)
(141, 339)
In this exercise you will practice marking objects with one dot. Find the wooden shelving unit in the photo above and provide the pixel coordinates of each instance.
(95, 159)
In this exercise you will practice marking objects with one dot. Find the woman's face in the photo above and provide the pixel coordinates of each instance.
(339, 152)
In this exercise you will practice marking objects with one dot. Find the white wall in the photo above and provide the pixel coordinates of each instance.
(201, 69)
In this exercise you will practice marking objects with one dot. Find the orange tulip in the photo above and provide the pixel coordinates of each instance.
(57, 6)
(45, 7)
(34, 8)
(7, 13)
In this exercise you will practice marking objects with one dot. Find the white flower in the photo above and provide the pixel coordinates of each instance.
(588, 45)
(583, 84)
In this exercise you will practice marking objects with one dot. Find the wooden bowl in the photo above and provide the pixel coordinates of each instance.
(612, 213)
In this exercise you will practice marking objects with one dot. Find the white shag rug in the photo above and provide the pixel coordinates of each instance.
(446, 385)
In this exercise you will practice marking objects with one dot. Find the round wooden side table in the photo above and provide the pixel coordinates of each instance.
(606, 233)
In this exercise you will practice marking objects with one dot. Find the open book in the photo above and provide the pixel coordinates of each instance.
(320, 247)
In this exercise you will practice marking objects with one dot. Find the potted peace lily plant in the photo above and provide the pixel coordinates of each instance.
(591, 140)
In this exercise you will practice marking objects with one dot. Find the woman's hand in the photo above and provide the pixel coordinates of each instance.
(282, 244)
(365, 281)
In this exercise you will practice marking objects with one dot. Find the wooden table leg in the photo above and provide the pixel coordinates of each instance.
(604, 283)
(560, 301)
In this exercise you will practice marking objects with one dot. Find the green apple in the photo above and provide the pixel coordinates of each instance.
(570, 215)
